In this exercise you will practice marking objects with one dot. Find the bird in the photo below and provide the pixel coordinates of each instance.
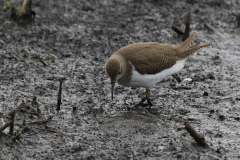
(144, 64)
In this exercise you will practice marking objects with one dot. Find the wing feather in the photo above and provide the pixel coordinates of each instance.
(150, 57)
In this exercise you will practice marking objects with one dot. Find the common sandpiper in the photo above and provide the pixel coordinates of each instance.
(147, 63)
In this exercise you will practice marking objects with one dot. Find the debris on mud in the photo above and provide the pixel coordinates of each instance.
(59, 99)
(74, 39)
(198, 138)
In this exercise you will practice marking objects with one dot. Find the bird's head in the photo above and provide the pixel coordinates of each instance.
(114, 69)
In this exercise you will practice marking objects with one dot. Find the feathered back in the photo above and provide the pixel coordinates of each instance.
(152, 58)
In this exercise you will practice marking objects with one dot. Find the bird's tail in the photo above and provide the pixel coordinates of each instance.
(192, 49)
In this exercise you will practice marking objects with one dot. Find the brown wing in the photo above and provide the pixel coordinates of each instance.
(150, 57)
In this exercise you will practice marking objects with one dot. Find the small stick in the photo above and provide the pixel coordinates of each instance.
(41, 121)
(177, 30)
(86, 121)
(59, 95)
(198, 138)
(6, 125)
(41, 60)
(179, 128)
(207, 25)
(26, 7)
(238, 20)
(187, 27)
(12, 115)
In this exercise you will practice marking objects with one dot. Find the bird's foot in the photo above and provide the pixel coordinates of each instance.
(149, 102)
(143, 100)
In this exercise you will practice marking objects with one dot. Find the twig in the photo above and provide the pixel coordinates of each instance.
(177, 30)
(198, 138)
(59, 95)
(207, 25)
(238, 20)
(41, 60)
(6, 125)
(52, 129)
(26, 7)
(86, 121)
(42, 121)
(180, 128)
(30, 108)
(12, 115)
(187, 27)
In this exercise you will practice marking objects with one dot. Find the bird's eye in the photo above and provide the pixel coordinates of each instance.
(119, 72)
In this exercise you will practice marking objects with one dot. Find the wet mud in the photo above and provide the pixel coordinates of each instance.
(75, 39)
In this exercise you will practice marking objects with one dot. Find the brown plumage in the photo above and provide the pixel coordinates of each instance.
(152, 58)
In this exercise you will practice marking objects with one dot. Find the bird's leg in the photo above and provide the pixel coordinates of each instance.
(148, 95)
(141, 102)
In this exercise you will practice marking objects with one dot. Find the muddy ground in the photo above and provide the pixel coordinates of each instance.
(75, 38)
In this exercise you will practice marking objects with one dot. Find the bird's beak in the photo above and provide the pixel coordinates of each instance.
(112, 87)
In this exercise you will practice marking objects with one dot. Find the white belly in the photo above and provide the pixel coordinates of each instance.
(148, 80)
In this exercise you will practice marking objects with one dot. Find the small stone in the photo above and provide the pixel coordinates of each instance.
(205, 93)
